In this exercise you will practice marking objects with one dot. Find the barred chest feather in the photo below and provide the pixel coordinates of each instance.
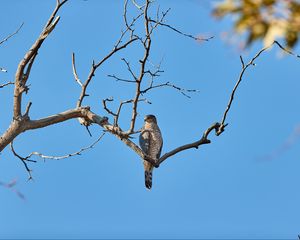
(155, 139)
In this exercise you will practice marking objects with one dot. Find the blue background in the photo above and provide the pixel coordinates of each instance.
(227, 189)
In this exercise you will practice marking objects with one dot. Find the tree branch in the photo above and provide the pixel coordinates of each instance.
(74, 70)
(96, 65)
(147, 46)
(6, 84)
(11, 35)
(219, 127)
(180, 32)
(195, 144)
(21, 76)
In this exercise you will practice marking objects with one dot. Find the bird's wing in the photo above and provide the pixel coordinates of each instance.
(159, 152)
(145, 141)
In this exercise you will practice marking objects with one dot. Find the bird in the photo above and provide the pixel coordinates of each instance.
(151, 143)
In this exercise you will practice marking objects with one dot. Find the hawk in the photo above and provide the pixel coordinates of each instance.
(151, 143)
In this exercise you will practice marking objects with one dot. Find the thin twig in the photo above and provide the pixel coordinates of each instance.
(11, 35)
(24, 161)
(129, 69)
(116, 118)
(37, 154)
(120, 79)
(77, 153)
(180, 32)
(96, 65)
(168, 84)
(105, 106)
(244, 68)
(286, 50)
(6, 84)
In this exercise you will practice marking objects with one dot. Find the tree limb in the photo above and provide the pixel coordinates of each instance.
(28, 60)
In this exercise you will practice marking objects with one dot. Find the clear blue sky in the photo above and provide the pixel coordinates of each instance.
(223, 190)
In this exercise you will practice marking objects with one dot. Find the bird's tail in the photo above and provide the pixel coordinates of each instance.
(148, 179)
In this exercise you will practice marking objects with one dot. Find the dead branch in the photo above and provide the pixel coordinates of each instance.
(6, 84)
(12, 34)
(94, 67)
(244, 68)
(24, 161)
(180, 32)
(37, 154)
(130, 70)
(74, 71)
(22, 123)
(25, 123)
(116, 118)
(220, 127)
(168, 84)
(77, 153)
(120, 79)
(147, 46)
(106, 108)
(28, 60)
(196, 144)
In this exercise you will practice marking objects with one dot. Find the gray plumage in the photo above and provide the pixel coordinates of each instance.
(151, 143)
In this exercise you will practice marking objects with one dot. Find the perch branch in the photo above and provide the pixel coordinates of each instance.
(195, 144)
(219, 127)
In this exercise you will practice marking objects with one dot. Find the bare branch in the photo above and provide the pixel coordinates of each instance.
(58, 6)
(168, 84)
(11, 35)
(25, 123)
(127, 24)
(27, 62)
(77, 153)
(180, 32)
(24, 160)
(219, 127)
(286, 50)
(74, 70)
(6, 84)
(129, 69)
(27, 158)
(105, 106)
(120, 79)
(196, 144)
(138, 6)
(96, 65)
(27, 109)
(117, 115)
(147, 46)
(244, 68)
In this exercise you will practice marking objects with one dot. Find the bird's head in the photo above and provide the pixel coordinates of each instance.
(150, 119)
